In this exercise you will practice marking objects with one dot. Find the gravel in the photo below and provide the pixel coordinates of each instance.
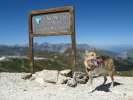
(13, 87)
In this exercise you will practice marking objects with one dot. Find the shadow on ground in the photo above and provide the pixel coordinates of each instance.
(106, 87)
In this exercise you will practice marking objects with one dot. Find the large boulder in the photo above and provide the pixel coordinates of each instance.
(50, 76)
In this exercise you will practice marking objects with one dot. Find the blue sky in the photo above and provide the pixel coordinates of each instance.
(98, 22)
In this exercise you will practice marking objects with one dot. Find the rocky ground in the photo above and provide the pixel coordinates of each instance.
(13, 87)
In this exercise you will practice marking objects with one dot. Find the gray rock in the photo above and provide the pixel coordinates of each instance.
(81, 77)
(62, 79)
(72, 82)
(66, 72)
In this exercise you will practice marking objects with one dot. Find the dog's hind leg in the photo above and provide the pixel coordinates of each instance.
(112, 79)
(105, 79)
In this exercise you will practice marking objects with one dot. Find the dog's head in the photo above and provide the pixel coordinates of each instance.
(89, 58)
(90, 55)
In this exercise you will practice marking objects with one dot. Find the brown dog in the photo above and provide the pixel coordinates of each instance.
(95, 68)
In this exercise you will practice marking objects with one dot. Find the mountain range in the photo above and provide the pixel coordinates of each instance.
(20, 50)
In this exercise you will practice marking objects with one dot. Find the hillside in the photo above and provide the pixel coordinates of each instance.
(58, 57)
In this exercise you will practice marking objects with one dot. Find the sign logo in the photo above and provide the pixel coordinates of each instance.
(38, 19)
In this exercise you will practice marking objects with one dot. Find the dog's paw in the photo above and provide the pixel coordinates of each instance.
(91, 89)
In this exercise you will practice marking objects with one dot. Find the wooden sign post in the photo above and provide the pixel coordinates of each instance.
(51, 22)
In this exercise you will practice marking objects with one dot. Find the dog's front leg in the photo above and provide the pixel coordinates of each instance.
(112, 79)
(90, 82)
